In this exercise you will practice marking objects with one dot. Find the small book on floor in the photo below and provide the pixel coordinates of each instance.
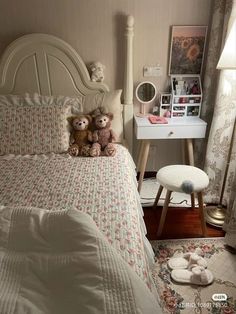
(157, 120)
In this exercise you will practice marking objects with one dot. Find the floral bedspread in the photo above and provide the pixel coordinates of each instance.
(103, 187)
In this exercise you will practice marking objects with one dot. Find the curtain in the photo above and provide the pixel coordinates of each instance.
(216, 31)
(219, 110)
(230, 219)
(219, 140)
(220, 134)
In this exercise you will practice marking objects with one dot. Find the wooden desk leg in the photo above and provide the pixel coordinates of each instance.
(190, 151)
(144, 157)
(140, 154)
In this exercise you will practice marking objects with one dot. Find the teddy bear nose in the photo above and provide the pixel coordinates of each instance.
(100, 121)
(80, 123)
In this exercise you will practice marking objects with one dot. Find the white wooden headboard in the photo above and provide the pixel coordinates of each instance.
(47, 65)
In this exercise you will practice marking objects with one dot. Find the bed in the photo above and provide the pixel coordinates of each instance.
(41, 183)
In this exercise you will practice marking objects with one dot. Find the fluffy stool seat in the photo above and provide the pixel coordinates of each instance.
(179, 178)
(185, 179)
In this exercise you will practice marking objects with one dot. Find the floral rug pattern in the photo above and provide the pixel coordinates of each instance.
(182, 298)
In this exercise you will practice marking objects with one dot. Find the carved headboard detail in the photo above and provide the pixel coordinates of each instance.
(47, 65)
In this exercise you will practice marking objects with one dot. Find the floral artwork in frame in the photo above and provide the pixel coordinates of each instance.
(187, 49)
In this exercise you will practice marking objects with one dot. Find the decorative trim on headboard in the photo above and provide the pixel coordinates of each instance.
(35, 54)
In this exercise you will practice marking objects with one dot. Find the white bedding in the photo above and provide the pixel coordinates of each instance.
(105, 188)
(60, 263)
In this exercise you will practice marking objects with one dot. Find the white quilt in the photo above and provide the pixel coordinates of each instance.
(105, 188)
(58, 262)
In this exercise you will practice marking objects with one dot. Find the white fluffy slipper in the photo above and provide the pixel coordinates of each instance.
(196, 275)
(188, 259)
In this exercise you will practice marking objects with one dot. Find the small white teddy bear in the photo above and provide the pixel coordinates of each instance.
(97, 74)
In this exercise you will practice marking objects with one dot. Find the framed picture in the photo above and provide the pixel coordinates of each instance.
(186, 85)
(187, 49)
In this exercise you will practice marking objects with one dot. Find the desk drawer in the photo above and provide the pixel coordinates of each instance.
(170, 132)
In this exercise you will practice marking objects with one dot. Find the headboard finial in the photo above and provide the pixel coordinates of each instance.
(128, 82)
(130, 21)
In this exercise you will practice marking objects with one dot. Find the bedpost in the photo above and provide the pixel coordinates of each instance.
(128, 84)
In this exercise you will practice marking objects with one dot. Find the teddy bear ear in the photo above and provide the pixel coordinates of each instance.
(92, 66)
(95, 112)
(70, 119)
(103, 110)
(110, 115)
(89, 118)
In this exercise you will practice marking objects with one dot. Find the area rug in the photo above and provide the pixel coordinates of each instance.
(149, 191)
(182, 298)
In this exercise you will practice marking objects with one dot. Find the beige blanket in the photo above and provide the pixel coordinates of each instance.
(59, 262)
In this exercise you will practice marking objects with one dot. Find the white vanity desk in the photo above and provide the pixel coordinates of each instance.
(179, 128)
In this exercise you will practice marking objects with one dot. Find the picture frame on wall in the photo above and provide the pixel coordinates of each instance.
(187, 49)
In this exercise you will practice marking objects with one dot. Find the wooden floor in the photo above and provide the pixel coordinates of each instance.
(180, 223)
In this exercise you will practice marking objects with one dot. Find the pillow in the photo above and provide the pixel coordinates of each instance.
(112, 103)
(36, 99)
(32, 128)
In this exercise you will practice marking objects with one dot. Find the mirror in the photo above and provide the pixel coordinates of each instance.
(145, 93)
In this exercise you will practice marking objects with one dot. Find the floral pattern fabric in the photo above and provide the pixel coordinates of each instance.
(218, 145)
(230, 219)
(103, 187)
(218, 109)
(28, 127)
(220, 12)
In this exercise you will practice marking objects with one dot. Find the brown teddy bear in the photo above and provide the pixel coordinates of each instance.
(103, 135)
(80, 136)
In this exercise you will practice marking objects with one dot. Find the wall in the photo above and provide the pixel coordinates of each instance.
(95, 28)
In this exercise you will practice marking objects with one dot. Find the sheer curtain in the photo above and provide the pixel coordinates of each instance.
(230, 219)
(219, 110)
(221, 10)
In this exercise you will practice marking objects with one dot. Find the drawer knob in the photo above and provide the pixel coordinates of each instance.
(171, 133)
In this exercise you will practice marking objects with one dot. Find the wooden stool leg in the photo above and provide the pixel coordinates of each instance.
(201, 213)
(192, 200)
(158, 196)
(164, 212)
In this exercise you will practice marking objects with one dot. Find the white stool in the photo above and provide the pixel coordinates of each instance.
(185, 179)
